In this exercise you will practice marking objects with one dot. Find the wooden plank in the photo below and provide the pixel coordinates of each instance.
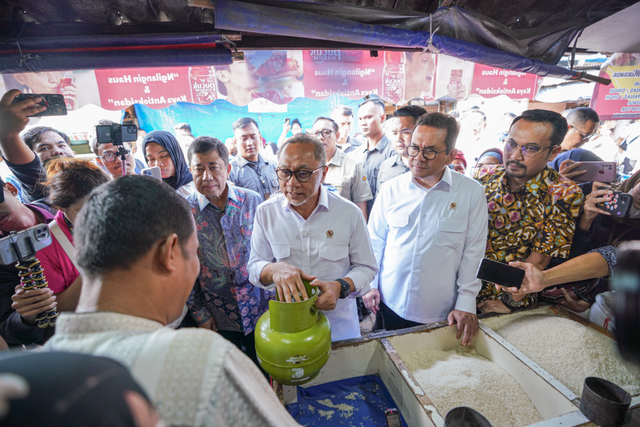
(563, 311)
(415, 405)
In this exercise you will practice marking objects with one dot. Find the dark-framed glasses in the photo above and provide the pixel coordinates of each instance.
(301, 175)
(326, 133)
(109, 156)
(428, 153)
(527, 150)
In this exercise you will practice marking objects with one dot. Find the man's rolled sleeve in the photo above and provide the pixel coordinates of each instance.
(473, 252)
(363, 261)
(261, 253)
(360, 190)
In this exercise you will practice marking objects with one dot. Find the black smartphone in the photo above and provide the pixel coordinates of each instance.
(500, 273)
(287, 120)
(618, 206)
(54, 102)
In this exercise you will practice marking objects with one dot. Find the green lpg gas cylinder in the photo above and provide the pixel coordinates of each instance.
(293, 340)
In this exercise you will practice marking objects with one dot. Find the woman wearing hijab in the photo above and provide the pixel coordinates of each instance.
(161, 149)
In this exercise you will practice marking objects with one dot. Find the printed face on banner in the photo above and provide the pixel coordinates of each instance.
(61, 82)
(420, 70)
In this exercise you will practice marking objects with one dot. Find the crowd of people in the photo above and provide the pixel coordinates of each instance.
(400, 218)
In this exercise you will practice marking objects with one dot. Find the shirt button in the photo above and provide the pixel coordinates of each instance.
(305, 233)
(420, 234)
(415, 271)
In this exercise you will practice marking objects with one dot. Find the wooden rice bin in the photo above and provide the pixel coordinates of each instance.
(381, 354)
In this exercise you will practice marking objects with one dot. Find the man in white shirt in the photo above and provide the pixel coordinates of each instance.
(307, 232)
(344, 173)
(429, 230)
(139, 265)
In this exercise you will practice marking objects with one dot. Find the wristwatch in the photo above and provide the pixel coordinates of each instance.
(345, 289)
(509, 302)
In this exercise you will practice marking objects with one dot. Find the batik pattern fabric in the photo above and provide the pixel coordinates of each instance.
(223, 291)
(539, 216)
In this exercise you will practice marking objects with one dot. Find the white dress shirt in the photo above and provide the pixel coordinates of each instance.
(429, 244)
(193, 375)
(331, 244)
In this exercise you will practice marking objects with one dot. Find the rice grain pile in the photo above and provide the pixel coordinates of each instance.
(461, 377)
(567, 350)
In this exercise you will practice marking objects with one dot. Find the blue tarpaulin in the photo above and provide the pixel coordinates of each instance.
(216, 119)
(349, 402)
(262, 19)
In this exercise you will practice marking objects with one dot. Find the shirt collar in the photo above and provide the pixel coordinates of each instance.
(398, 161)
(241, 161)
(532, 186)
(203, 201)
(447, 179)
(322, 201)
(382, 144)
(103, 321)
(336, 160)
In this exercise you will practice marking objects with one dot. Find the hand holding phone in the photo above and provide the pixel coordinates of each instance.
(500, 274)
(153, 172)
(53, 102)
(618, 206)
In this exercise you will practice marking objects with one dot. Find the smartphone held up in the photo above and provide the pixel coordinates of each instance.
(500, 274)
(54, 103)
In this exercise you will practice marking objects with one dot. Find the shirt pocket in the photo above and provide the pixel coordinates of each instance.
(450, 232)
(334, 262)
(281, 252)
(398, 220)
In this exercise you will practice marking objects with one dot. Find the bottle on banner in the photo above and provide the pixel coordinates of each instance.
(203, 85)
(393, 77)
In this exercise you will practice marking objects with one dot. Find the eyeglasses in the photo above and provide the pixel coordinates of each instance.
(585, 136)
(301, 175)
(324, 133)
(428, 153)
(527, 150)
(110, 156)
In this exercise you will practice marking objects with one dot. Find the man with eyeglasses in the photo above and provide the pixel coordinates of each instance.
(249, 169)
(107, 157)
(307, 232)
(532, 209)
(223, 299)
(405, 120)
(344, 173)
(583, 124)
(428, 230)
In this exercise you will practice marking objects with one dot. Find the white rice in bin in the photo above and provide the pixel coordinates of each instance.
(461, 377)
(568, 350)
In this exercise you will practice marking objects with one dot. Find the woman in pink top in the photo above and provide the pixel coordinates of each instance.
(69, 183)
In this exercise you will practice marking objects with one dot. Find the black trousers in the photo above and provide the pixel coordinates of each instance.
(391, 320)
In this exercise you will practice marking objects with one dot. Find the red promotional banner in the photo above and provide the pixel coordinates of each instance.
(353, 74)
(621, 98)
(490, 82)
(268, 80)
(153, 87)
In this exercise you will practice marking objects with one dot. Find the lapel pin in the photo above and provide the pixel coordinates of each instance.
(329, 234)
(453, 206)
